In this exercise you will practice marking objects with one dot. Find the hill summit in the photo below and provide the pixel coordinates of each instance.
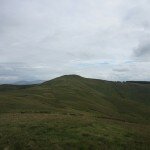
(117, 99)
(76, 112)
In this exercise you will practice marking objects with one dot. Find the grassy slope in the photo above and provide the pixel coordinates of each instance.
(71, 112)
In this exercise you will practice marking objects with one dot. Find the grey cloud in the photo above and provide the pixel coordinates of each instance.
(50, 38)
(121, 69)
(14, 72)
(142, 52)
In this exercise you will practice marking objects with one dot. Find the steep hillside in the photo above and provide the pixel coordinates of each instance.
(129, 101)
(78, 108)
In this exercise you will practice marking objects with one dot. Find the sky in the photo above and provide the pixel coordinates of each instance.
(103, 39)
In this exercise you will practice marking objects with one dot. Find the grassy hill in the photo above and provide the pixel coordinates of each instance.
(72, 112)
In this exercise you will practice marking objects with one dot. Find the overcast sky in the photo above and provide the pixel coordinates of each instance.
(105, 39)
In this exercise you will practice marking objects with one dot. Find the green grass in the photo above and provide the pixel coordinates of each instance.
(57, 131)
(71, 112)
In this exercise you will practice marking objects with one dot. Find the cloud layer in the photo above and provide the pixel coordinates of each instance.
(100, 38)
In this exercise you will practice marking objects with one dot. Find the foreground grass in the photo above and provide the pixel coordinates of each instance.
(41, 131)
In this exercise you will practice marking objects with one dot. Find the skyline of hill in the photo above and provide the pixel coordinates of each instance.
(29, 82)
(75, 112)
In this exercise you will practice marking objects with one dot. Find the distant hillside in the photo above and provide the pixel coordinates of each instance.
(28, 82)
(139, 82)
(74, 92)
(81, 106)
